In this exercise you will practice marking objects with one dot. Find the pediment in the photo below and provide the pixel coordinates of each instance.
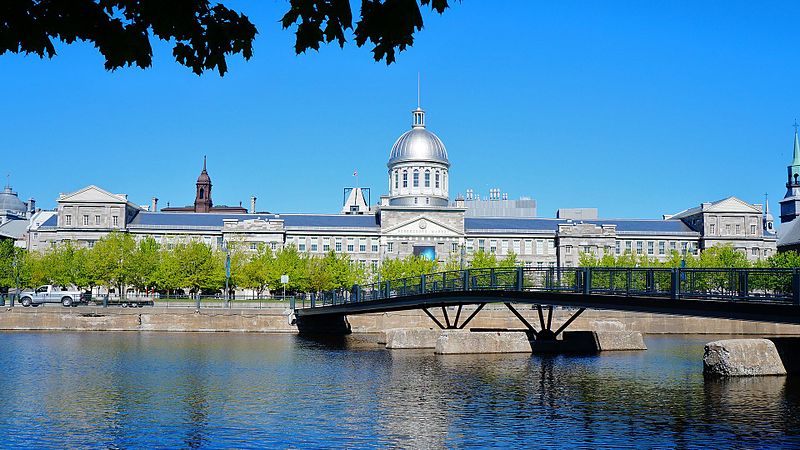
(422, 226)
(91, 194)
(732, 205)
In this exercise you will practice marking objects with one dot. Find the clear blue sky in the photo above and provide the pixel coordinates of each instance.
(637, 108)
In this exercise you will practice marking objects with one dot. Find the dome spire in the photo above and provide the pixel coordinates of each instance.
(796, 155)
(418, 115)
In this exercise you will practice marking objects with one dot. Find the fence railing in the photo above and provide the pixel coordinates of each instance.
(742, 285)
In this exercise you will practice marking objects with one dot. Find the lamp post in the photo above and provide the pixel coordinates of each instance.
(15, 265)
(227, 273)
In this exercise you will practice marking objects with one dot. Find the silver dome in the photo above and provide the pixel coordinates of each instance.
(418, 144)
(10, 202)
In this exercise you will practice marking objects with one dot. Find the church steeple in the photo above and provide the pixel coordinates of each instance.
(790, 205)
(202, 200)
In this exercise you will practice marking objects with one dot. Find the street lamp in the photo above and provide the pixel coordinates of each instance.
(15, 265)
(227, 272)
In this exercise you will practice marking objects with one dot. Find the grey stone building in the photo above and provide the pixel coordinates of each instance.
(415, 217)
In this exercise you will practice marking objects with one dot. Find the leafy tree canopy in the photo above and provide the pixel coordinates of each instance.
(202, 34)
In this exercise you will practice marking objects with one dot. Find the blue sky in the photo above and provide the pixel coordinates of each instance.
(637, 108)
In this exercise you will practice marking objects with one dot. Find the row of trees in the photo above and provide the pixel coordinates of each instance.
(119, 262)
(721, 256)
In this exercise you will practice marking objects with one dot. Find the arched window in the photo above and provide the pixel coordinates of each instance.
(444, 181)
(202, 193)
(427, 178)
(405, 178)
(437, 180)
(396, 180)
(416, 178)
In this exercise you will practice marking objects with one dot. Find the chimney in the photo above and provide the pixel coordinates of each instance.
(253, 204)
(31, 205)
(154, 204)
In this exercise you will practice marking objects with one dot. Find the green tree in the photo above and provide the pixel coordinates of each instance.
(146, 264)
(288, 261)
(198, 267)
(483, 260)
(113, 260)
(258, 271)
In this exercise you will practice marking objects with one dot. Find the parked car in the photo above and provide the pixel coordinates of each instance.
(50, 294)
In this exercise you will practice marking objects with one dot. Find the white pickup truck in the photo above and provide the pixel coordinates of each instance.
(50, 294)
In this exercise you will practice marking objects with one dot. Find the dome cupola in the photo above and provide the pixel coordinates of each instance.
(418, 167)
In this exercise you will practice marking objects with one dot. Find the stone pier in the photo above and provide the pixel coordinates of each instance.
(452, 342)
(409, 338)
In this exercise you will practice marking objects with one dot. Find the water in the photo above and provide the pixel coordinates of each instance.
(150, 390)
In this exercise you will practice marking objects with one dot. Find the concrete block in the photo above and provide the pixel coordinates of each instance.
(742, 357)
(620, 340)
(405, 338)
(464, 342)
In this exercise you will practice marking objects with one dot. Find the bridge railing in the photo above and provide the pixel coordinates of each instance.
(752, 285)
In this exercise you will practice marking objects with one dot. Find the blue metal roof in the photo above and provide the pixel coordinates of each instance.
(52, 221)
(551, 225)
(161, 219)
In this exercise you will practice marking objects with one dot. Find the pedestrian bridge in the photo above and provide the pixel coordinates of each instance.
(769, 295)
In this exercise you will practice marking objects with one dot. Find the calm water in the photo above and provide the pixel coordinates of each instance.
(124, 390)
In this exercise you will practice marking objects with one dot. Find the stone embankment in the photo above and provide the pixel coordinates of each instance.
(274, 318)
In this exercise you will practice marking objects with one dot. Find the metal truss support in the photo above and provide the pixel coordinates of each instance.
(546, 333)
(454, 325)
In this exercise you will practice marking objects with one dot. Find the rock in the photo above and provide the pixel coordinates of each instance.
(405, 338)
(463, 342)
(742, 357)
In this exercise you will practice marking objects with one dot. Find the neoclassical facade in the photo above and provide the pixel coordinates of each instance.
(417, 216)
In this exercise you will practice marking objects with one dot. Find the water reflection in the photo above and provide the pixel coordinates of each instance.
(123, 390)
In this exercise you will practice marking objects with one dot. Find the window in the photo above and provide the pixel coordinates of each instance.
(738, 229)
(90, 244)
(374, 265)
(493, 246)
(712, 228)
(326, 245)
(362, 245)
(727, 228)
(97, 220)
(539, 246)
(390, 247)
(528, 247)
(314, 245)
(568, 250)
(253, 246)
(551, 247)
(405, 178)
(482, 245)
(437, 180)
(416, 178)
(301, 244)
(396, 180)
(650, 247)
(202, 193)
(68, 220)
(115, 221)
(516, 246)
(504, 246)
(273, 245)
(755, 251)
(454, 247)
(427, 178)
(672, 245)
(628, 247)
(752, 229)
(85, 219)
(587, 249)
(662, 247)
(539, 264)
(638, 247)
(374, 246)
(351, 245)
(618, 247)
